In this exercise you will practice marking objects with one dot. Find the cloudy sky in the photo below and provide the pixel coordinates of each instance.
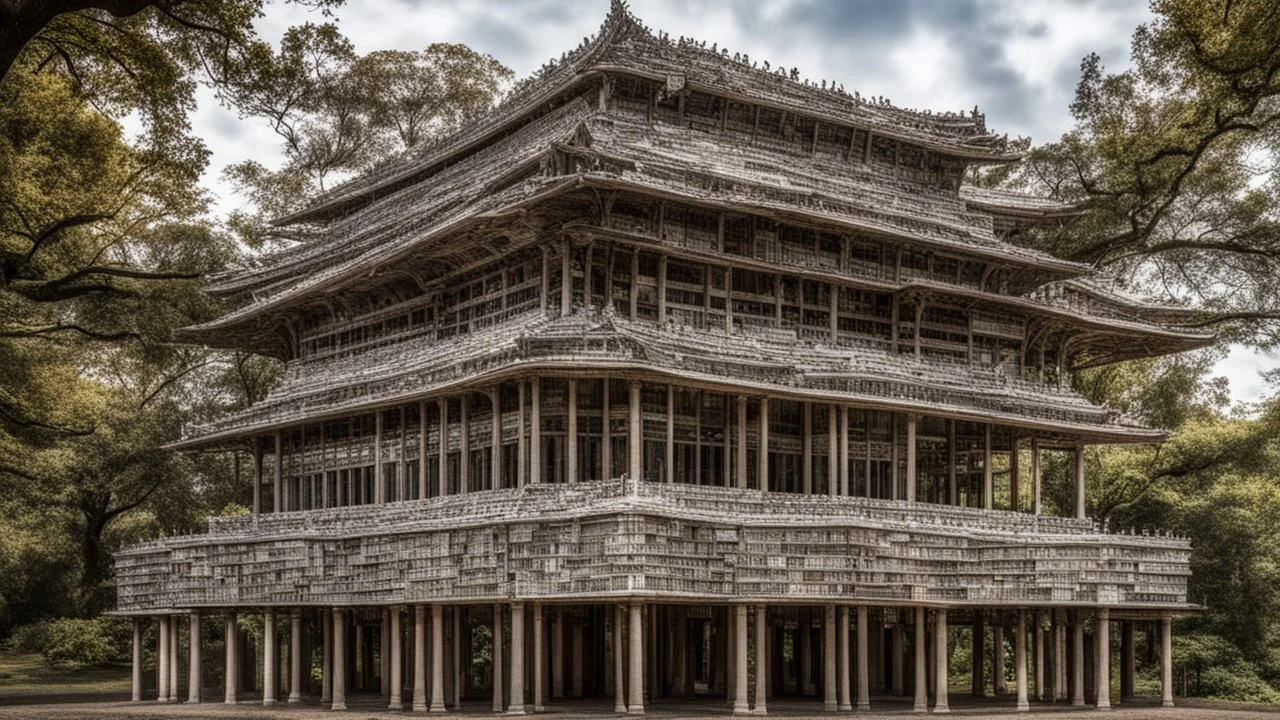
(1017, 60)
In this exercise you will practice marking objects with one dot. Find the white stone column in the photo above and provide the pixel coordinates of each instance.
(175, 626)
(1077, 662)
(740, 702)
(1020, 661)
(230, 669)
(295, 658)
(1080, 486)
(499, 661)
(921, 681)
(194, 671)
(278, 479)
(1036, 476)
(762, 660)
(457, 657)
(911, 459)
(442, 468)
(268, 657)
(539, 657)
(843, 670)
(634, 436)
(419, 658)
(1166, 661)
(1102, 634)
(395, 701)
(940, 703)
(742, 443)
(437, 659)
(1060, 656)
(864, 670)
(517, 659)
(136, 668)
(571, 433)
(806, 460)
(522, 442)
(762, 455)
(636, 704)
(535, 430)
(619, 680)
(162, 661)
(829, 658)
(833, 462)
(339, 661)
(1037, 657)
(326, 662)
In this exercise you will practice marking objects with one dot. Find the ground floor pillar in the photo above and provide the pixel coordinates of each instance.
(174, 625)
(193, 661)
(619, 681)
(268, 657)
(231, 671)
(740, 702)
(920, 681)
(843, 701)
(326, 661)
(339, 660)
(940, 704)
(539, 658)
(1020, 662)
(162, 661)
(295, 658)
(1000, 684)
(419, 658)
(393, 635)
(499, 663)
(864, 675)
(1166, 661)
(517, 660)
(636, 704)
(1077, 661)
(437, 659)
(1103, 635)
(136, 673)
(762, 662)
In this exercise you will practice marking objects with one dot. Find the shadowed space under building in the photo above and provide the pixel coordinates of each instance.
(671, 382)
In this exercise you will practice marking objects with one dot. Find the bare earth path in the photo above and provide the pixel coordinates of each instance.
(83, 708)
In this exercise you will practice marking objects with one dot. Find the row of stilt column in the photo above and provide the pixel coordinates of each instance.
(662, 650)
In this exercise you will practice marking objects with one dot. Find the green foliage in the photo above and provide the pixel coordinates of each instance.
(84, 643)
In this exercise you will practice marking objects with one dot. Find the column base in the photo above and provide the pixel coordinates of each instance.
(516, 710)
(1166, 703)
(338, 706)
(741, 710)
(941, 710)
(436, 709)
(759, 711)
(391, 705)
(268, 702)
(635, 711)
(845, 708)
(419, 707)
(295, 700)
(1024, 707)
(830, 707)
(539, 708)
(864, 707)
(620, 709)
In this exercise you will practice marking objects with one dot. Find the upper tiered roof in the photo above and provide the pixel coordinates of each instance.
(625, 45)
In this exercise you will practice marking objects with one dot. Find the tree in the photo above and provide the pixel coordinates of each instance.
(339, 113)
(1173, 158)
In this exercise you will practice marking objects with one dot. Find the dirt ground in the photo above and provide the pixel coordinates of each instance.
(89, 707)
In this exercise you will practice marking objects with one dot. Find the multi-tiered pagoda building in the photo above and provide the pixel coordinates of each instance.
(671, 377)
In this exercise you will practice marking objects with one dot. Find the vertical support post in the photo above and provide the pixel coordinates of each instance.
(517, 655)
(999, 683)
(419, 658)
(539, 656)
(566, 278)
(1037, 657)
(326, 663)
(1015, 467)
(740, 706)
(162, 661)
(396, 701)
(762, 660)
(437, 659)
(522, 442)
(988, 472)
(464, 443)
(1035, 481)
(920, 681)
(911, 458)
(136, 668)
(278, 475)
(662, 289)
(846, 485)
(339, 661)
(807, 448)
(843, 702)
(978, 653)
(940, 655)
(741, 468)
(174, 634)
(499, 661)
(1077, 661)
(295, 658)
(1103, 634)
(495, 449)
(1059, 657)
(670, 458)
(268, 657)
(606, 442)
(379, 478)
(833, 455)
(422, 450)
(619, 683)
(953, 495)
(571, 434)
(636, 704)
(457, 656)
(229, 669)
(443, 467)
(1020, 662)
(535, 430)
(634, 451)
(829, 658)
(1166, 661)
(1080, 487)
(257, 477)
(864, 670)
(762, 453)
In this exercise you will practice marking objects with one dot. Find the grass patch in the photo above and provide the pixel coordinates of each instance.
(26, 674)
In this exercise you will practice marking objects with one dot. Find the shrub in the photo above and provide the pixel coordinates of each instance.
(84, 643)
(30, 638)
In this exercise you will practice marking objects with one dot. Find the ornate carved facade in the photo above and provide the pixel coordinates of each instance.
(669, 359)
